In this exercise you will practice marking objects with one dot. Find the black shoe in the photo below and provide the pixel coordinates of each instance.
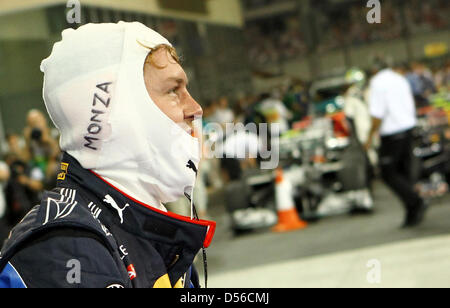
(416, 215)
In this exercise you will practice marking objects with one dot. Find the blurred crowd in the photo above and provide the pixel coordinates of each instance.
(427, 16)
(275, 39)
(352, 28)
(28, 166)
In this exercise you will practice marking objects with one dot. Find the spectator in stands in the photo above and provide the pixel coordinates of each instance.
(25, 183)
(422, 84)
(223, 114)
(442, 77)
(42, 149)
(14, 149)
(296, 100)
(209, 111)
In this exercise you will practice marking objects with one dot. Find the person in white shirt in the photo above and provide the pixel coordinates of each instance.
(393, 113)
(276, 112)
(223, 113)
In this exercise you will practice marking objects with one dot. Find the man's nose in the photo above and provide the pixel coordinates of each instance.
(193, 109)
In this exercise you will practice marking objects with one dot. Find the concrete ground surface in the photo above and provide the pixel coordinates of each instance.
(363, 251)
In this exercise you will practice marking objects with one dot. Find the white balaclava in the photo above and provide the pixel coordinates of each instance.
(95, 93)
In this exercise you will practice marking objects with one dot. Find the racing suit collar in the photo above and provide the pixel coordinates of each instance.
(132, 215)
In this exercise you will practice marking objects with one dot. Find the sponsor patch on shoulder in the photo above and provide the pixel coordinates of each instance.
(62, 174)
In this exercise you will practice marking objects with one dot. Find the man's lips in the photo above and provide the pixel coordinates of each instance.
(188, 128)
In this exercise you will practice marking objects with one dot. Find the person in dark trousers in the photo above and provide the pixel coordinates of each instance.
(393, 112)
(118, 95)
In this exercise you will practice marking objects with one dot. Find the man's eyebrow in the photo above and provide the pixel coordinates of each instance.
(179, 80)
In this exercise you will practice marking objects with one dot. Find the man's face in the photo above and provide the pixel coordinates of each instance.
(166, 83)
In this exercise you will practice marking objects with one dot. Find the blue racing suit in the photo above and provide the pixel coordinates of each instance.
(86, 233)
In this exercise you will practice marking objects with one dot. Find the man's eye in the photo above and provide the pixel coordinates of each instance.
(173, 90)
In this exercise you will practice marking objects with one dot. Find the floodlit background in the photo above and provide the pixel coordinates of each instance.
(264, 61)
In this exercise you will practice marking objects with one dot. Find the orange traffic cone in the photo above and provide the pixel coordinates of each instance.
(288, 218)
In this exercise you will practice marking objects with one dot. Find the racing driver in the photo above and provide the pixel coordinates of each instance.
(118, 96)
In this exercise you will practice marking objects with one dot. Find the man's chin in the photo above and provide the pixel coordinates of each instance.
(186, 127)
